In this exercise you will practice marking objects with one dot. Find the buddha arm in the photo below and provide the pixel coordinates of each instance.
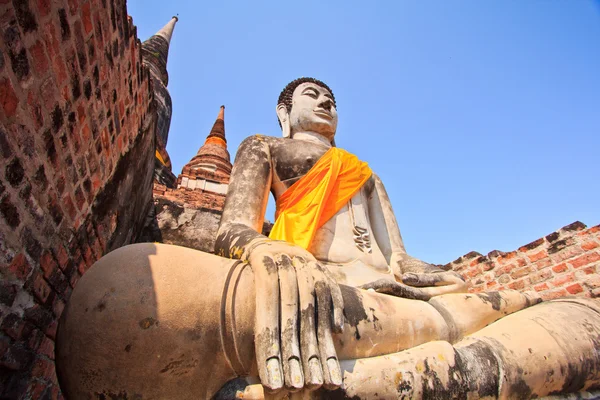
(387, 233)
(247, 199)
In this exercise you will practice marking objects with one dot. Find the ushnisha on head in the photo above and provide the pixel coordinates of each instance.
(307, 105)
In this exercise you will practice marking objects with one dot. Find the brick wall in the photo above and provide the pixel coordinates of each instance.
(76, 161)
(566, 262)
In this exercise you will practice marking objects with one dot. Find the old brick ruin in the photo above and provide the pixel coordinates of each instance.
(563, 263)
(84, 170)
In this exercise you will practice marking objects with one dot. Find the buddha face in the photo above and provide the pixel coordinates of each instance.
(313, 111)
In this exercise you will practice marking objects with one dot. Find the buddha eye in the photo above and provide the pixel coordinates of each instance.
(312, 93)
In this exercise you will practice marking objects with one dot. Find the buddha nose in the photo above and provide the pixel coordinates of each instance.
(326, 104)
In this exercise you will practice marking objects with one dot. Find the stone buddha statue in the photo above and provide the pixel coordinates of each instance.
(329, 306)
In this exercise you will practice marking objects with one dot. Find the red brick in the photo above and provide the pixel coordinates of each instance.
(560, 268)
(46, 348)
(51, 330)
(48, 93)
(561, 280)
(538, 256)
(86, 18)
(79, 198)
(575, 288)
(60, 70)
(44, 7)
(41, 289)
(521, 272)
(35, 109)
(567, 253)
(589, 246)
(38, 390)
(541, 264)
(20, 267)
(58, 307)
(541, 287)
(38, 55)
(521, 262)
(531, 245)
(8, 98)
(517, 285)
(68, 203)
(48, 264)
(555, 294)
(61, 256)
(82, 267)
(43, 368)
(588, 270)
(75, 277)
(491, 284)
(585, 260)
(590, 231)
(541, 276)
(51, 39)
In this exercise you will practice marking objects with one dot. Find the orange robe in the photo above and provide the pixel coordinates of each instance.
(310, 202)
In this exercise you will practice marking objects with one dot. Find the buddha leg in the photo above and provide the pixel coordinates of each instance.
(552, 348)
(170, 322)
(146, 322)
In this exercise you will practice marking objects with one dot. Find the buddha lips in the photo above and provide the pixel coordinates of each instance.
(310, 202)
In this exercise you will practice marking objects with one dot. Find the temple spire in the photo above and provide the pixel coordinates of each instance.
(210, 168)
(156, 50)
(217, 133)
(167, 30)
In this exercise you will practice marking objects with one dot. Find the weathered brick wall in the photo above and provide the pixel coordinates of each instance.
(566, 262)
(76, 161)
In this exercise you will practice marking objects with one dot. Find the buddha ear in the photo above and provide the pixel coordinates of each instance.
(284, 120)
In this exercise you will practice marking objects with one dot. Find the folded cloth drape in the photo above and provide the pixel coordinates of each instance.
(310, 202)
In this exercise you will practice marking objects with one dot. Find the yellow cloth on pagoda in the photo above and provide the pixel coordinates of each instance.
(310, 202)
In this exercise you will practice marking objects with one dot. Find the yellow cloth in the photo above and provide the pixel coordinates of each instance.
(318, 195)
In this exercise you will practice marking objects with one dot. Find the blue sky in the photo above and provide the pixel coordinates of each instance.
(481, 118)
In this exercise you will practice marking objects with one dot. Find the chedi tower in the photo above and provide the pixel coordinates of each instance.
(155, 52)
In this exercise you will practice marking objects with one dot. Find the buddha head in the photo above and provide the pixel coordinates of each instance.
(307, 105)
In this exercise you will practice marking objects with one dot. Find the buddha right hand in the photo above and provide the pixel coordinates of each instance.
(288, 281)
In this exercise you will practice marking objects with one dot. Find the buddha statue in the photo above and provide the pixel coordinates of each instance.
(330, 305)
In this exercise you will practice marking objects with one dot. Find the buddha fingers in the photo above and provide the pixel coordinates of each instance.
(313, 373)
(267, 342)
(290, 348)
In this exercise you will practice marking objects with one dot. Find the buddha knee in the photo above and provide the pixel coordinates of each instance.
(149, 318)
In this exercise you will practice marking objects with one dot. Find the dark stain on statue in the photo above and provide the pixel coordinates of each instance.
(354, 311)
(101, 306)
(270, 265)
(493, 298)
(376, 323)
(520, 389)
(480, 369)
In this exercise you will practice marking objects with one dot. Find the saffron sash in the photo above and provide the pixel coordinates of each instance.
(310, 202)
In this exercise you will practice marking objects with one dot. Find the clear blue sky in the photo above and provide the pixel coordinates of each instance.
(482, 118)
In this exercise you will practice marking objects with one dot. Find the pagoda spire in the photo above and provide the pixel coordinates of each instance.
(156, 50)
(167, 30)
(210, 168)
(217, 133)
